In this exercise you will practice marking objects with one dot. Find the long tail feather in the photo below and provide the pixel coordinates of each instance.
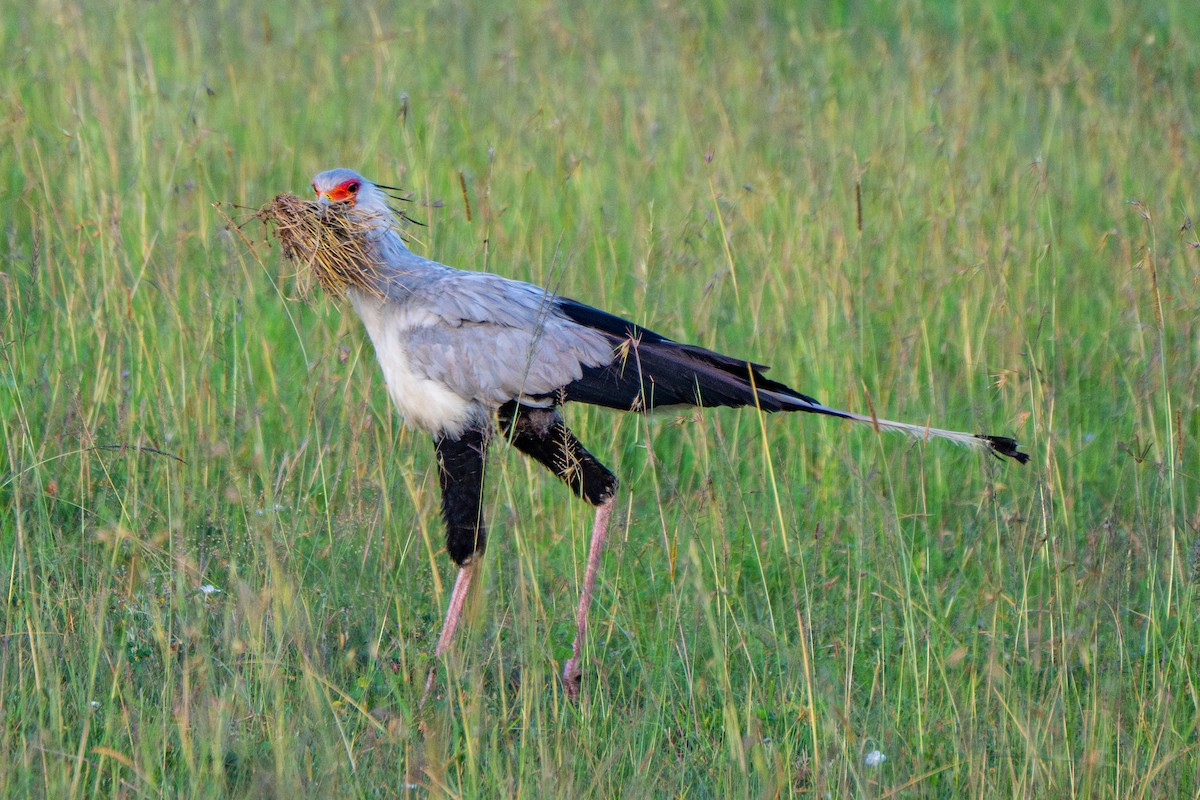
(654, 372)
(997, 445)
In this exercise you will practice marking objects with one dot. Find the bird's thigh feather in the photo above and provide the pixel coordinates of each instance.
(460, 470)
(540, 434)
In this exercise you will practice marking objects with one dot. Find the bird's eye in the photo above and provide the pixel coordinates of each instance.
(316, 191)
(352, 188)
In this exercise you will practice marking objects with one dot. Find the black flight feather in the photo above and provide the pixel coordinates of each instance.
(652, 371)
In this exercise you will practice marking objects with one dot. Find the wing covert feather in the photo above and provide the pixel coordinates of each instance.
(493, 340)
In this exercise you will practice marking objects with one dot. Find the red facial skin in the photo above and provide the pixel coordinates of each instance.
(344, 192)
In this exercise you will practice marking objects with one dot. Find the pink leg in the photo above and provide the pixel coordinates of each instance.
(458, 600)
(572, 670)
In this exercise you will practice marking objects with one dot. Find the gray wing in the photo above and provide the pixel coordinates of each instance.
(491, 340)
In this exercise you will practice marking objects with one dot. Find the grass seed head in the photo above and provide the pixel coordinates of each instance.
(332, 241)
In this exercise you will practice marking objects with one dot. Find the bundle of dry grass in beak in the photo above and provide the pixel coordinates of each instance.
(330, 240)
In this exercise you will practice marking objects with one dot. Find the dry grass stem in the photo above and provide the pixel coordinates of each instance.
(332, 241)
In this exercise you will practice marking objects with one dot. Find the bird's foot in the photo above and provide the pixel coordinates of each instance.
(571, 677)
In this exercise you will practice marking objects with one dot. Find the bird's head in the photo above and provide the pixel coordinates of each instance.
(347, 186)
(370, 202)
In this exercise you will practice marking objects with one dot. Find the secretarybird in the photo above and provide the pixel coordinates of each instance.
(463, 352)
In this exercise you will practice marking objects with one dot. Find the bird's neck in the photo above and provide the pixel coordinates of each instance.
(397, 271)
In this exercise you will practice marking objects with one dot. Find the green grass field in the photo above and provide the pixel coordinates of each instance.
(973, 215)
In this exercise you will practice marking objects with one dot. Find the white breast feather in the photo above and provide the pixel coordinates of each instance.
(423, 403)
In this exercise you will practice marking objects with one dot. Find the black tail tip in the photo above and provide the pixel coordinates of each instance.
(1004, 446)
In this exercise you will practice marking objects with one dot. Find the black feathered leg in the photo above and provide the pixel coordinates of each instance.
(460, 470)
(541, 434)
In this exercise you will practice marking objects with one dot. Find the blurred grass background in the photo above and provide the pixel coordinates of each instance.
(222, 552)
